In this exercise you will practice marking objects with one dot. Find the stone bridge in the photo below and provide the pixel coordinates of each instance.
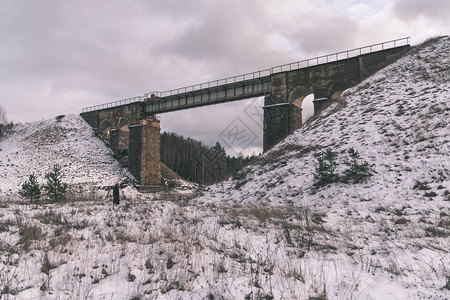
(132, 129)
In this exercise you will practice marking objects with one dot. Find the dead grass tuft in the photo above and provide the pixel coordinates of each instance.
(29, 234)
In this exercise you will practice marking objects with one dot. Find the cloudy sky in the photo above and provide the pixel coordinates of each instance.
(57, 57)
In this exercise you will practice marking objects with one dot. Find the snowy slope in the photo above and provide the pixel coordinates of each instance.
(398, 120)
(69, 142)
(271, 234)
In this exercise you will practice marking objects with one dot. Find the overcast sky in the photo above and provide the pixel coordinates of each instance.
(57, 57)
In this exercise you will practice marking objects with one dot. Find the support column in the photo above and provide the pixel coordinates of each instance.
(276, 122)
(320, 98)
(144, 152)
(318, 104)
(280, 120)
(295, 118)
(114, 141)
(151, 161)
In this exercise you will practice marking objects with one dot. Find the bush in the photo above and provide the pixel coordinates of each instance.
(54, 188)
(325, 171)
(30, 189)
(28, 234)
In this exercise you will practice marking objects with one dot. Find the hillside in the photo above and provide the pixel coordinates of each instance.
(388, 237)
(68, 141)
(272, 234)
(87, 164)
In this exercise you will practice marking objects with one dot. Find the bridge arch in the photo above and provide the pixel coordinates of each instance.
(335, 88)
(124, 134)
(122, 122)
(297, 95)
(104, 128)
(307, 107)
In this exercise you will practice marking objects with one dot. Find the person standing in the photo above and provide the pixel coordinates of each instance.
(116, 195)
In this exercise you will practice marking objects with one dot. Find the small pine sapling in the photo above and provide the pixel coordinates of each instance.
(325, 171)
(30, 189)
(357, 170)
(54, 188)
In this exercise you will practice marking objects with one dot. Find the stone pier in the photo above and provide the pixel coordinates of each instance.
(144, 152)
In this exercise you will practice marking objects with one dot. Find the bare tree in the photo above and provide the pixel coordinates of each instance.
(2, 115)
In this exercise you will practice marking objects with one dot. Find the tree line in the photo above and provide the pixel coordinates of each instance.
(197, 162)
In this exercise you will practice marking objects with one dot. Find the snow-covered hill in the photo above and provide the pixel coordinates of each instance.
(392, 232)
(271, 234)
(398, 120)
(68, 141)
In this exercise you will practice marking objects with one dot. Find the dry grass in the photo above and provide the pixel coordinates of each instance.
(428, 41)
(29, 234)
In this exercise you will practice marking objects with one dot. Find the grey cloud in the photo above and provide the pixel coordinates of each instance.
(71, 47)
(228, 34)
(436, 10)
(323, 33)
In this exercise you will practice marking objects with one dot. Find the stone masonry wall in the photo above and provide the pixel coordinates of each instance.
(324, 81)
(150, 165)
(135, 151)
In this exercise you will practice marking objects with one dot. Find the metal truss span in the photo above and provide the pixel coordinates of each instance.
(251, 88)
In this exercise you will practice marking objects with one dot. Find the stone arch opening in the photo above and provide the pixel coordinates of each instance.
(296, 98)
(307, 107)
(298, 94)
(104, 129)
(124, 133)
(123, 140)
(336, 88)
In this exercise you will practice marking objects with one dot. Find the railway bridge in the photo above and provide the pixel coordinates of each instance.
(132, 129)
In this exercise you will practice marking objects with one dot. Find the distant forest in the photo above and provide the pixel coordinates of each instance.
(197, 162)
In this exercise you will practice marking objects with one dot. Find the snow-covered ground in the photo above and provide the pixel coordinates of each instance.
(270, 235)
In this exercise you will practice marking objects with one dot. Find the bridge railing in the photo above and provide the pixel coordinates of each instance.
(211, 84)
(340, 55)
(262, 73)
(113, 104)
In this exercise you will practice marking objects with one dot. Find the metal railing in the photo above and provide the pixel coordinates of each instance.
(262, 73)
(340, 55)
(211, 84)
(113, 104)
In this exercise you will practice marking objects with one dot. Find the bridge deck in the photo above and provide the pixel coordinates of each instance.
(239, 90)
(238, 87)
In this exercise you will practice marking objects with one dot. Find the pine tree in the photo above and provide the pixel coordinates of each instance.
(30, 189)
(325, 171)
(219, 149)
(54, 188)
(357, 169)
